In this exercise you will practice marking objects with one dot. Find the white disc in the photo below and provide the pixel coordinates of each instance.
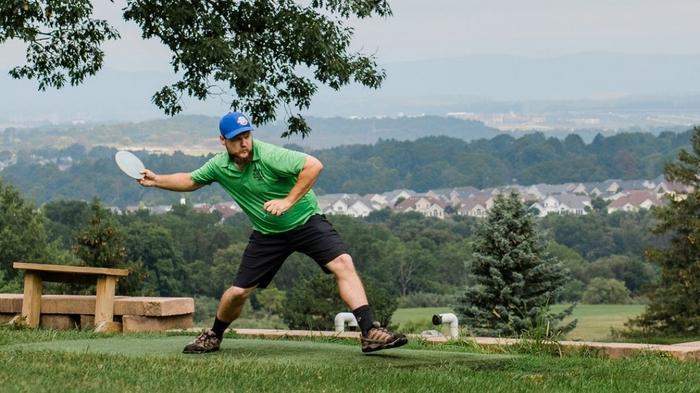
(129, 164)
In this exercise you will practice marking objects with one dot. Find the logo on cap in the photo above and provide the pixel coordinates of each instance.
(242, 121)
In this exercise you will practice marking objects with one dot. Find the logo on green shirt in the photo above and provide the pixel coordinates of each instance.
(257, 173)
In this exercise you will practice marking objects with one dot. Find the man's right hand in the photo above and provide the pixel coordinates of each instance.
(148, 179)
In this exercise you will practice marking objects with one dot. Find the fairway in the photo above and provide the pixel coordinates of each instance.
(594, 320)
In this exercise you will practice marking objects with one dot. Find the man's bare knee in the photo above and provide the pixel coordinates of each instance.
(341, 265)
(237, 294)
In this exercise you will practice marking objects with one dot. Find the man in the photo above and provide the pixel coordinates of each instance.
(273, 187)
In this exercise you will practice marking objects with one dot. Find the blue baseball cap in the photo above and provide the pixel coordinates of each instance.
(234, 123)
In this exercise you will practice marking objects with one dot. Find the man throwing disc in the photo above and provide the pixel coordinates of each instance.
(273, 187)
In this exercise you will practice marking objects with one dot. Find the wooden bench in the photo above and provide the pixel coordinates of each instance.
(35, 274)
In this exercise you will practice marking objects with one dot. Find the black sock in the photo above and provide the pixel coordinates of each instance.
(219, 327)
(363, 314)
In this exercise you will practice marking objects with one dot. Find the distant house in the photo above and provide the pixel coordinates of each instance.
(458, 194)
(347, 204)
(393, 196)
(606, 188)
(575, 204)
(160, 209)
(613, 186)
(134, 208)
(201, 208)
(378, 201)
(326, 203)
(594, 191)
(427, 206)
(442, 193)
(541, 191)
(114, 209)
(476, 206)
(677, 191)
(576, 188)
(637, 185)
(634, 201)
(563, 204)
(226, 209)
(359, 207)
(339, 206)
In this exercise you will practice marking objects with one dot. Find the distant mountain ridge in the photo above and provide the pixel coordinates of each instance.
(197, 134)
(430, 87)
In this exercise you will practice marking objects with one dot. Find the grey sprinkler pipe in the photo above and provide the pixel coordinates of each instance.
(439, 319)
(342, 318)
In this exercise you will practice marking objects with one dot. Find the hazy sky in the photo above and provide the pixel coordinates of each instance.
(422, 29)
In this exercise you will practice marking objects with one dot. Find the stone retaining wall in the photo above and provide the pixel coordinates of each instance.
(131, 314)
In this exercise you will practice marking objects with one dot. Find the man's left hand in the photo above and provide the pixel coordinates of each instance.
(277, 207)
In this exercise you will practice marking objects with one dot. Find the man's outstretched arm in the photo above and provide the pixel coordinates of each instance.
(173, 182)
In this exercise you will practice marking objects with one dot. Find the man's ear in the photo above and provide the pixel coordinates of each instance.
(222, 140)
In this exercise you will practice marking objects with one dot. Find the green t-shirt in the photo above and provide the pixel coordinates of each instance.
(271, 175)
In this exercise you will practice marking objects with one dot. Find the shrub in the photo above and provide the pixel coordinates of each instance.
(313, 303)
(606, 291)
(571, 291)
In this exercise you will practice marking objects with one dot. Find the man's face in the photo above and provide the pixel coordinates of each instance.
(239, 147)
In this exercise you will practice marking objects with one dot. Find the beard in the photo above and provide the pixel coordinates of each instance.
(241, 159)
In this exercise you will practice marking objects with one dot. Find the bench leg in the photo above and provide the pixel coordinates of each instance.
(104, 300)
(31, 303)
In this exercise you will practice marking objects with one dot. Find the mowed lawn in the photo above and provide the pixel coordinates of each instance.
(44, 361)
(594, 321)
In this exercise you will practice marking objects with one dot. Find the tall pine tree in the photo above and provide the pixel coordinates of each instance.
(674, 306)
(514, 281)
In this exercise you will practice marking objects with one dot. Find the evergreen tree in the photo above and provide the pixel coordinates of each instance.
(100, 244)
(514, 279)
(674, 306)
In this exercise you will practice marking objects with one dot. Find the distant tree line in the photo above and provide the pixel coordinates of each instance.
(437, 162)
(427, 163)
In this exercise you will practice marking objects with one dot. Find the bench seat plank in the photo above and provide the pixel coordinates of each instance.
(40, 267)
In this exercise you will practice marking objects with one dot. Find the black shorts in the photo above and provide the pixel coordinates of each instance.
(265, 253)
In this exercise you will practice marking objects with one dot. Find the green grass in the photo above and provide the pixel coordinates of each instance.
(416, 320)
(594, 321)
(405, 315)
(38, 361)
